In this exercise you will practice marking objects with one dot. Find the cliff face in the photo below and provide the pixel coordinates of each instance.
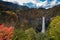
(33, 16)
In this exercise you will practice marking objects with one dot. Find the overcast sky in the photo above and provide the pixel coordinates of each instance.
(39, 3)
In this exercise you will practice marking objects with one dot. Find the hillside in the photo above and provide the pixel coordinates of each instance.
(30, 17)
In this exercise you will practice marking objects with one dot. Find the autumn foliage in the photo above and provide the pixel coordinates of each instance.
(6, 32)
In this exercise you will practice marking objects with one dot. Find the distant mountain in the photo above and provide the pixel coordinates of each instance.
(36, 3)
(30, 5)
(11, 6)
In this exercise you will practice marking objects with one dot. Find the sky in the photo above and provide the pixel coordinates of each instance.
(36, 3)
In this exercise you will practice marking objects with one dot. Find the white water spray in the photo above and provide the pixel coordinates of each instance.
(43, 25)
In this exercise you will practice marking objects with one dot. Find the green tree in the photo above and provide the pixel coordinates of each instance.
(31, 34)
(1, 21)
(41, 36)
(54, 29)
(28, 34)
(19, 35)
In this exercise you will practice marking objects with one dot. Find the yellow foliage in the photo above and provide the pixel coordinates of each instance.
(30, 33)
(54, 28)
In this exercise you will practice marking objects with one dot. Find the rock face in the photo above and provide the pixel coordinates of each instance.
(31, 16)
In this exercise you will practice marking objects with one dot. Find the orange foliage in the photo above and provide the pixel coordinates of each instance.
(6, 32)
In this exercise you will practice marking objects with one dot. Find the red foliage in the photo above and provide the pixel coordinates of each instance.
(6, 32)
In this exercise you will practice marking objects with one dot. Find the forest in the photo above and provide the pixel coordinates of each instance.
(23, 23)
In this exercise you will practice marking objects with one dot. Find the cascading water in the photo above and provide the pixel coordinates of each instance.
(43, 25)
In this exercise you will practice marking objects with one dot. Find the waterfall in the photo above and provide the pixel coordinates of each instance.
(43, 25)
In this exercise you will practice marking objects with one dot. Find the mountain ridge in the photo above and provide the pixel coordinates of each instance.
(18, 7)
